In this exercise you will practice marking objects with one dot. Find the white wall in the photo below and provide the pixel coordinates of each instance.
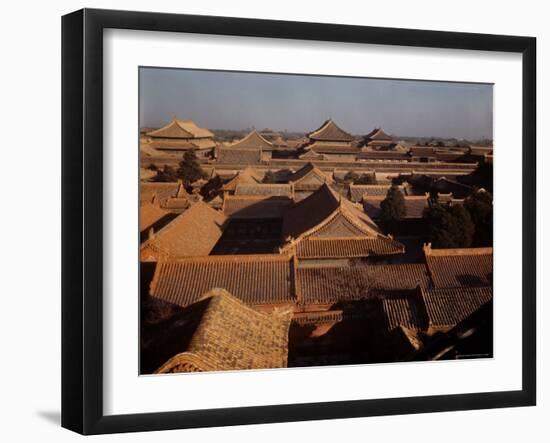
(30, 217)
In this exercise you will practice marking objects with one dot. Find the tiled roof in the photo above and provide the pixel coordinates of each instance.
(157, 192)
(404, 311)
(193, 233)
(276, 190)
(332, 148)
(382, 155)
(422, 151)
(232, 336)
(311, 155)
(321, 208)
(415, 205)
(357, 192)
(378, 135)
(253, 279)
(149, 214)
(331, 285)
(181, 129)
(182, 144)
(448, 307)
(451, 268)
(253, 140)
(330, 131)
(347, 247)
(445, 186)
(254, 206)
(480, 150)
(247, 176)
(328, 225)
(309, 174)
(239, 156)
(371, 206)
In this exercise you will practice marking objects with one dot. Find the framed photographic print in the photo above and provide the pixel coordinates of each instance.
(269, 221)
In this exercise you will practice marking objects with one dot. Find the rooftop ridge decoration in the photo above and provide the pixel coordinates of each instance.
(330, 131)
(253, 140)
(181, 129)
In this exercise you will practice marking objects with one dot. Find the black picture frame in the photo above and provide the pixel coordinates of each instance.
(82, 218)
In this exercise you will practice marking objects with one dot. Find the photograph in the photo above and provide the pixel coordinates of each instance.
(293, 221)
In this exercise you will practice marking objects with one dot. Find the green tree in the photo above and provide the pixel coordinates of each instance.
(190, 170)
(480, 206)
(212, 188)
(351, 177)
(449, 226)
(166, 174)
(269, 177)
(392, 209)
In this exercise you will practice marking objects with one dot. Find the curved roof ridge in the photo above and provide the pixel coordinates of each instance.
(329, 130)
(259, 143)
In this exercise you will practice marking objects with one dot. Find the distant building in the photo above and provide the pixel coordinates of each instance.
(179, 136)
(330, 141)
(251, 149)
(378, 140)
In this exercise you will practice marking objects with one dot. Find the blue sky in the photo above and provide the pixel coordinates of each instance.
(238, 100)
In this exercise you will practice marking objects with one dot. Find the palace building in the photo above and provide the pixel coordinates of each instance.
(377, 140)
(331, 142)
(251, 149)
(179, 136)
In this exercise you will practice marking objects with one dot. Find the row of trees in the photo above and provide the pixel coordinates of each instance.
(448, 226)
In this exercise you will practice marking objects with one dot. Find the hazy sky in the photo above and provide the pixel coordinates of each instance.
(236, 100)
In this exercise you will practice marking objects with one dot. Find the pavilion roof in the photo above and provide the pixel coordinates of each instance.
(329, 225)
(461, 267)
(232, 336)
(315, 211)
(193, 233)
(330, 131)
(309, 171)
(246, 176)
(181, 129)
(378, 134)
(253, 140)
